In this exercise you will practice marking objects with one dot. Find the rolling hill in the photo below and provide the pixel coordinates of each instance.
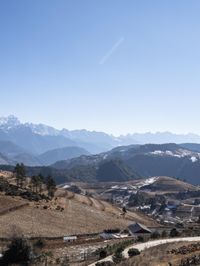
(10, 149)
(146, 160)
(141, 161)
(41, 145)
(4, 160)
(115, 170)
(191, 146)
(168, 184)
(65, 153)
(67, 213)
(12, 154)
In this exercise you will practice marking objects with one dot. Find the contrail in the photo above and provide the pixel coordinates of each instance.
(111, 51)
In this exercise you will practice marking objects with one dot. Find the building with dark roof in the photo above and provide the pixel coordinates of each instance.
(138, 228)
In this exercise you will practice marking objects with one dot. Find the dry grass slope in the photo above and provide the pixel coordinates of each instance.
(81, 215)
(169, 184)
(158, 256)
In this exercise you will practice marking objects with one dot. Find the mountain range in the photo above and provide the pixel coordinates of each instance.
(42, 145)
(139, 161)
(125, 163)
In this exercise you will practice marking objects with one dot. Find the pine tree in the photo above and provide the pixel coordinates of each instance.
(18, 253)
(20, 174)
(37, 182)
(51, 186)
(41, 181)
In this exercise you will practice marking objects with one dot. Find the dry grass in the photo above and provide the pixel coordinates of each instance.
(77, 218)
(171, 184)
(8, 204)
(81, 215)
(114, 210)
(7, 175)
(158, 256)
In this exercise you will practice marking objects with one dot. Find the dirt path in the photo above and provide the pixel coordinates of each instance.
(154, 243)
(14, 208)
(146, 245)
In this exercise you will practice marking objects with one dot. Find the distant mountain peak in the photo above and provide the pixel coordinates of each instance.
(42, 129)
(9, 121)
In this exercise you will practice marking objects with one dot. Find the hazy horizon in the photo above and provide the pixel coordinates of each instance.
(109, 133)
(111, 66)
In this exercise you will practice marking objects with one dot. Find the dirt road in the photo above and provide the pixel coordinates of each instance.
(149, 244)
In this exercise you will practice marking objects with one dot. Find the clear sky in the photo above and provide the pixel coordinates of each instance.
(117, 66)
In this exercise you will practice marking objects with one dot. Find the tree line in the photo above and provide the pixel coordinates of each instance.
(37, 182)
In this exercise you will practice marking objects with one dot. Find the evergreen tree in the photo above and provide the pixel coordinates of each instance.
(37, 182)
(18, 252)
(51, 186)
(117, 257)
(41, 181)
(20, 173)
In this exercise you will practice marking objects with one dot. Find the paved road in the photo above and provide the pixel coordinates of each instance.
(146, 245)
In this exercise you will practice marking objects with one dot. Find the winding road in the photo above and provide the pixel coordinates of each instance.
(149, 244)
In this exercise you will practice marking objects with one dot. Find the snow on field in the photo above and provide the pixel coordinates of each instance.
(120, 187)
(66, 186)
(147, 182)
(137, 186)
(115, 187)
(150, 180)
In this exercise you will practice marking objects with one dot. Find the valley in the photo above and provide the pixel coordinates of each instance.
(55, 187)
(85, 210)
(99, 133)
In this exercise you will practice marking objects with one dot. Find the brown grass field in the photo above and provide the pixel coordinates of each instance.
(81, 215)
(169, 184)
(158, 256)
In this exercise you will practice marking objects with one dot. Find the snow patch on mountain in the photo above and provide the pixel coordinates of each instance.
(194, 159)
(9, 122)
(194, 156)
(42, 129)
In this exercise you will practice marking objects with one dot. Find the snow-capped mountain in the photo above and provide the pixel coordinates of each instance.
(38, 144)
(39, 138)
(42, 129)
(7, 123)
(12, 122)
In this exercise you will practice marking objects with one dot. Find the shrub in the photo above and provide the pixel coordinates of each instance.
(117, 257)
(112, 231)
(164, 234)
(174, 233)
(140, 239)
(133, 252)
(18, 252)
(40, 243)
(104, 263)
(102, 253)
(155, 235)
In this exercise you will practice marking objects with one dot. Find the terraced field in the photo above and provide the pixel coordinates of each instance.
(8, 204)
(81, 214)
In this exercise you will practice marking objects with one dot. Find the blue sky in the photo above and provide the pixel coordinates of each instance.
(117, 66)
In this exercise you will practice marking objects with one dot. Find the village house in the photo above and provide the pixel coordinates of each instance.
(69, 238)
(137, 228)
